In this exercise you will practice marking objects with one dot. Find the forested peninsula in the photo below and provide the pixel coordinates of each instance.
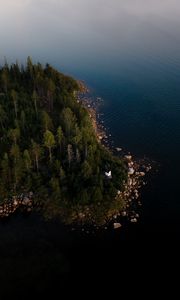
(50, 156)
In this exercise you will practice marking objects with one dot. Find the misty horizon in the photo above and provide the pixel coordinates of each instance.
(48, 30)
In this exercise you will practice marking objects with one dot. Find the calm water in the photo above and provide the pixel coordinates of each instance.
(132, 60)
(128, 52)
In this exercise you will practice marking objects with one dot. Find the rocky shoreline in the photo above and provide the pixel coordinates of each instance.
(137, 170)
(130, 196)
(24, 201)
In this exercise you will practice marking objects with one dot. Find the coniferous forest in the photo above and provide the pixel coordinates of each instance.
(48, 145)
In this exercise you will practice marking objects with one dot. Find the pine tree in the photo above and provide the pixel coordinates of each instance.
(27, 159)
(70, 154)
(14, 135)
(36, 152)
(46, 121)
(49, 142)
(17, 166)
(60, 137)
(35, 100)
(23, 120)
(5, 169)
(14, 97)
(3, 117)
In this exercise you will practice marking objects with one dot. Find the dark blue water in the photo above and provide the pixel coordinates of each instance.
(142, 111)
(128, 52)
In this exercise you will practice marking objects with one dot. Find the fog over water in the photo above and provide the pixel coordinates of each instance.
(70, 33)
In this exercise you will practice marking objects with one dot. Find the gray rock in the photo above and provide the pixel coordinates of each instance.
(133, 220)
(117, 225)
(131, 171)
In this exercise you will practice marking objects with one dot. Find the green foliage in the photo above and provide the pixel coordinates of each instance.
(27, 160)
(48, 144)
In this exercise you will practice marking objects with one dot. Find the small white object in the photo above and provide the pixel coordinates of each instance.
(108, 174)
(131, 171)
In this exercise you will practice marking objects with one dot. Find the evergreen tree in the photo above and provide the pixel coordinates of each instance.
(60, 137)
(46, 121)
(3, 117)
(14, 97)
(27, 159)
(49, 142)
(36, 152)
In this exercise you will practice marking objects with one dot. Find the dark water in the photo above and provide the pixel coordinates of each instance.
(128, 52)
(143, 114)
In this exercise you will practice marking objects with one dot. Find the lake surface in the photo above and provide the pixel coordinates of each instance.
(128, 52)
(131, 59)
